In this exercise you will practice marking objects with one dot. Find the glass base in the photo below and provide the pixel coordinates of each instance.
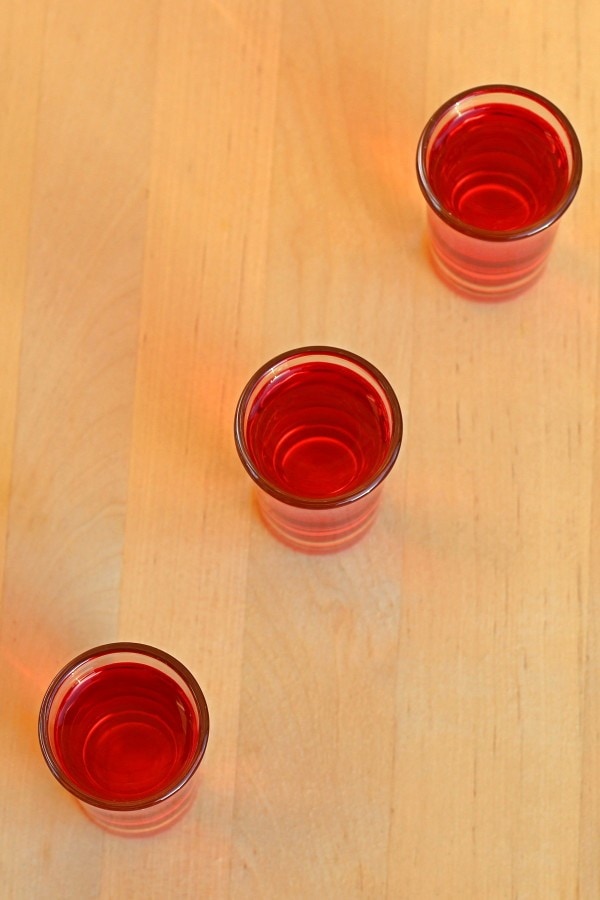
(143, 822)
(318, 531)
(489, 271)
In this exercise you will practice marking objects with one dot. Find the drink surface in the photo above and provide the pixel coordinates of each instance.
(318, 430)
(125, 732)
(498, 167)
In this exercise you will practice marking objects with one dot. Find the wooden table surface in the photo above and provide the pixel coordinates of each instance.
(189, 187)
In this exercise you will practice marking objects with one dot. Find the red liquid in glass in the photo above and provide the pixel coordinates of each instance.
(498, 167)
(318, 430)
(125, 732)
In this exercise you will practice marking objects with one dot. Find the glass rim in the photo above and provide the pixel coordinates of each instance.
(144, 651)
(297, 500)
(484, 233)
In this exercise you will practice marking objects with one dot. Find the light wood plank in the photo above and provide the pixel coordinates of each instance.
(21, 42)
(184, 580)
(68, 491)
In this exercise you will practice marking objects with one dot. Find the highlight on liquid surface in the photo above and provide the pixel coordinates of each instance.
(318, 430)
(498, 167)
(125, 732)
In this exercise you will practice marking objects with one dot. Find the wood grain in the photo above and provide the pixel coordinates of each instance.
(188, 188)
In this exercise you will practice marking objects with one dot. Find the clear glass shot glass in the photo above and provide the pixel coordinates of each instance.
(498, 166)
(318, 429)
(124, 727)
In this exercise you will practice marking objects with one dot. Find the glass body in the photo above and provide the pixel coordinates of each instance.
(498, 166)
(124, 727)
(318, 429)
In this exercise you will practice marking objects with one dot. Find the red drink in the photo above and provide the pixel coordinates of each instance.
(318, 430)
(126, 731)
(499, 167)
(124, 727)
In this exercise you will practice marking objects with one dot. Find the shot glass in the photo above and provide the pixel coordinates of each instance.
(318, 429)
(498, 166)
(124, 727)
